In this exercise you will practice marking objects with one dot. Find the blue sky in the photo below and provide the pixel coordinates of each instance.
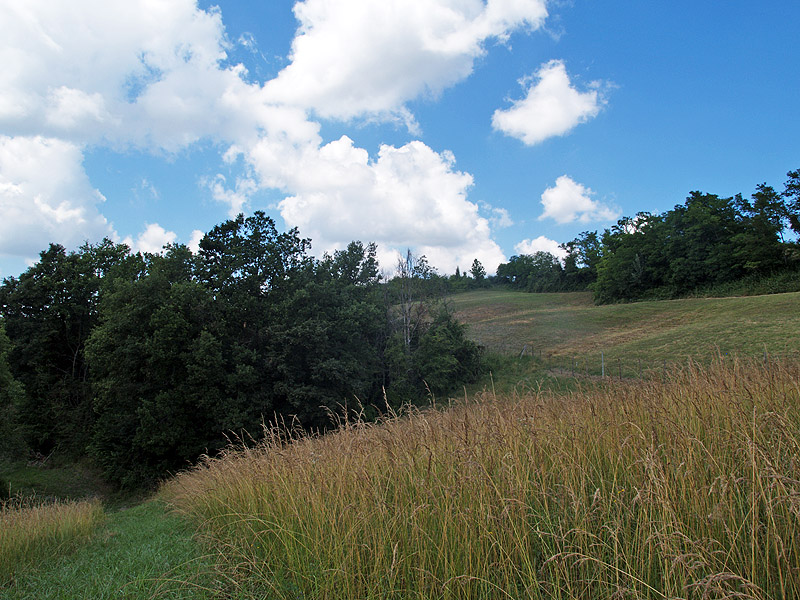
(459, 128)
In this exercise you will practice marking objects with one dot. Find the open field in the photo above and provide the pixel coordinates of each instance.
(683, 485)
(564, 329)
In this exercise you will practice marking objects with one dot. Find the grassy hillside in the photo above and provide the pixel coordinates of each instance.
(567, 328)
(682, 489)
(682, 485)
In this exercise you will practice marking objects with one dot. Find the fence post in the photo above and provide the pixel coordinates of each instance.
(602, 365)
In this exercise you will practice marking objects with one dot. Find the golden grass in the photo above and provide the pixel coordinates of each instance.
(683, 489)
(31, 532)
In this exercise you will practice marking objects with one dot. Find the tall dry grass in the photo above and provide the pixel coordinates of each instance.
(683, 489)
(31, 532)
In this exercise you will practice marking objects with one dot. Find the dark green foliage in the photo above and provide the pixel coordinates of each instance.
(328, 335)
(478, 273)
(538, 272)
(706, 242)
(427, 351)
(147, 362)
(11, 394)
(444, 358)
(49, 312)
(580, 264)
(156, 371)
(791, 195)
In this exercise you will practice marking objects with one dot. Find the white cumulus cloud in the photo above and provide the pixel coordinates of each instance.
(195, 239)
(541, 244)
(157, 77)
(45, 196)
(354, 58)
(551, 106)
(569, 201)
(151, 240)
(410, 196)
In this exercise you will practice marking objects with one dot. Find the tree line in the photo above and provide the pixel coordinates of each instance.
(706, 241)
(143, 362)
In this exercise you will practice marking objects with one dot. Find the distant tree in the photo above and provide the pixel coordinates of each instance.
(415, 282)
(632, 259)
(791, 194)
(580, 264)
(478, 273)
(426, 349)
(537, 272)
(758, 245)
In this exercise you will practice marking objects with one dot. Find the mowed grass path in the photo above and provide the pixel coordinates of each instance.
(142, 552)
(569, 326)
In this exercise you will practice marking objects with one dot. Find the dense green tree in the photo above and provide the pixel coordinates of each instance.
(328, 336)
(11, 394)
(419, 321)
(158, 370)
(148, 361)
(580, 264)
(791, 195)
(700, 243)
(758, 246)
(537, 272)
(445, 358)
(49, 313)
(478, 273)
(632, 259)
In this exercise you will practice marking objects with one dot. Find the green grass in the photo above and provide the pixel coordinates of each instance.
(569, 331)
(56, 479)
(142, 552)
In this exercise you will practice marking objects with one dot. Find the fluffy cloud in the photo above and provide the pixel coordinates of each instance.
(352, 58)
(152, 239)
(408, 196)
(46, 196)
(569, 201)
(194, 240)
(157, 76)
(551, 107)
(541, 244)
(120, 72)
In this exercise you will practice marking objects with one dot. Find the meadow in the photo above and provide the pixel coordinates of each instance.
(567, 330)
(544, 481)
(688, 488)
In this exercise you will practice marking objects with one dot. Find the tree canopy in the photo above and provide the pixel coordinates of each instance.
(143, 362)
(705, 241)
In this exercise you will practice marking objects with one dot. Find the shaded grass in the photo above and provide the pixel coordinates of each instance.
(142, 553)
(57, 479)
(688, 488)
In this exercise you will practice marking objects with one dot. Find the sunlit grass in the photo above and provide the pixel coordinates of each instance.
(31, 532)
(567, 330)
(688, 488)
